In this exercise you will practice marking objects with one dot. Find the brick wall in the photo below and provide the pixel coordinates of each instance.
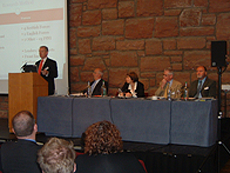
(144, 36)
(3, 107)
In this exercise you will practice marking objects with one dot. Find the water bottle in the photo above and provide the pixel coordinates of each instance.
(169, 94)
(103, 89)
(89, 90)
(186, 91)
(178, 94)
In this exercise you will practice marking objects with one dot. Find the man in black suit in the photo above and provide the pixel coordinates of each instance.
(203, 87)
(97, 83)
(21, 156)
(47, 68)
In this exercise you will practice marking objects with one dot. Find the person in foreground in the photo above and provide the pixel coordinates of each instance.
(168, 83)
(97, 83)
(47, 68)
(104, 152)
(21, 156)
(132, 87)
(57, 156)
(203, 86)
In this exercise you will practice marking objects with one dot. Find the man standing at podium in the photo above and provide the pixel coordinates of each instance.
(47, 68)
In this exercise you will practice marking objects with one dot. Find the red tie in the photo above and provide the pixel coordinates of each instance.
(40, 67)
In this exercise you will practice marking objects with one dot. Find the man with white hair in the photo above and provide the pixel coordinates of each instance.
(168, 83)
(97, 83)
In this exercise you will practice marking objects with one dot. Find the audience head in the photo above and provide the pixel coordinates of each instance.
(168, 74)
(57, 156)
(43, 52)
(97, 74)
(24, 125)
(102, 138)
(131, 77)
(201, 72)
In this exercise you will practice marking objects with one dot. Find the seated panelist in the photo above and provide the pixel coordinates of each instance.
(95, 85)
(203, 86)
(132, 87)
(168, 83)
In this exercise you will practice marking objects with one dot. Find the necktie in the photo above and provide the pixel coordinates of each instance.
(166, 90)
(93, 86)
(199, 87)
(40, 67)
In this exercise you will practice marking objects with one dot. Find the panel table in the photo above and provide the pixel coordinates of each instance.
(142, 120)
(88, 111)
(139, 120)
(194, 123)
(55, 116)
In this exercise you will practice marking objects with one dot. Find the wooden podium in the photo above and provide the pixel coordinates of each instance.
(24, 89)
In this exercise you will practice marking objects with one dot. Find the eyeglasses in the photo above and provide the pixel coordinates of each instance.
(167, 74)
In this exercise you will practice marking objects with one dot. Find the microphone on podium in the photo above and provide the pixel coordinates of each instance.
(23, 67)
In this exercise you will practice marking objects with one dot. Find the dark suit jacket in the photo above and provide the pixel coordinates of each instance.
(19, 157)
(97, 88)
(109, 163)
(52, 73)
(208, 88)
(139, 90)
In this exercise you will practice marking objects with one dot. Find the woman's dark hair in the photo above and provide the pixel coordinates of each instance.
(102, 138)
(133, 76)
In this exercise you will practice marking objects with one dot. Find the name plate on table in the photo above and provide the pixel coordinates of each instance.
(225, 87)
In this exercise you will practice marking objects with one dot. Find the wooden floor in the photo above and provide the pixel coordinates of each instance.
(226, 168)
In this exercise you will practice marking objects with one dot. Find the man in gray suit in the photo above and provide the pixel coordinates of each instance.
(203, 86)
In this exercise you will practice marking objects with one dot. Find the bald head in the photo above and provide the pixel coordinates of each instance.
(201, 72)
(23, 124)
(97, 74)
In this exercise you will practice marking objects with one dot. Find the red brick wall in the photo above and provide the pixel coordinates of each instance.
(144, 36)
(3, 107)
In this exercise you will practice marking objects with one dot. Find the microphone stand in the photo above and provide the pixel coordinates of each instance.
(219, 142)
(219, 116)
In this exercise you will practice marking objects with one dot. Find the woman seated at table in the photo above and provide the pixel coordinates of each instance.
(132, 87)
(103, 148)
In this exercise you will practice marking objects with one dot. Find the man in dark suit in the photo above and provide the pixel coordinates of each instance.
(47, 68)
(21, 156)
(203, 87)
(97, 83)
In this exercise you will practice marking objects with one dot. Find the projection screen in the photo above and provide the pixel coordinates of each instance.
(25, 25)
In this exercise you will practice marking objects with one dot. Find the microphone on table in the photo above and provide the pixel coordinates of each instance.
(119, 92)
